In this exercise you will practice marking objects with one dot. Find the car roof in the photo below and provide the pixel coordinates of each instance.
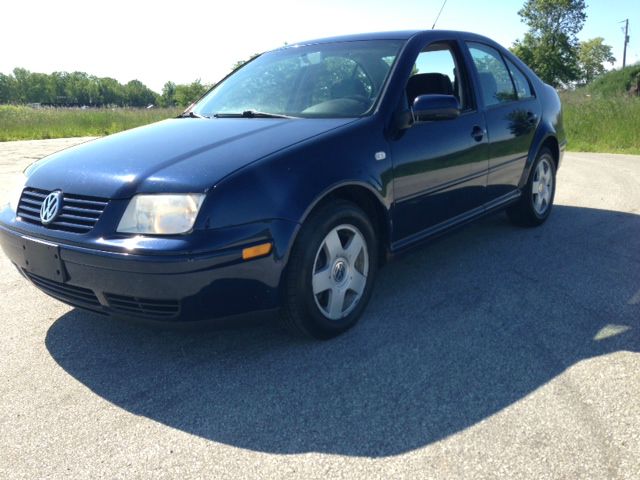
(397, 35)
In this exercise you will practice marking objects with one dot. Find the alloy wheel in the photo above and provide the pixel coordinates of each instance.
(542, 186)
(340, 270)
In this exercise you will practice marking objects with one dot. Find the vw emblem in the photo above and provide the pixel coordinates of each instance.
(50, 208)
(339, 271)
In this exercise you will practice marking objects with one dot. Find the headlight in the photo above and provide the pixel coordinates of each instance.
(161, 214)
(16, 192)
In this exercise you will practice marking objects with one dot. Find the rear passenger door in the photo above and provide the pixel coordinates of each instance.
(512, 114)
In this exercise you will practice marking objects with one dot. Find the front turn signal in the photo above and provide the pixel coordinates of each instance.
(256, 251)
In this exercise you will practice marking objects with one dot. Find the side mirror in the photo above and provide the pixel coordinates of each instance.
(428, 108)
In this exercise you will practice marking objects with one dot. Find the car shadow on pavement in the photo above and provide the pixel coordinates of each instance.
(456, 331)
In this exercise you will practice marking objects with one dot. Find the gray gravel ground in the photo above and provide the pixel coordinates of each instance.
(496, 352)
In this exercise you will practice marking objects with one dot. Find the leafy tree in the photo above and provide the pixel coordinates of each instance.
(93, 89)
(21, 91)
(58, 85)
(168, 97)
(592, 55)
(559, 17)
(138, 95)
(185, 95)
(111, 91)
(550, 47)
(37, 88)
(7, 88)
(77, 88)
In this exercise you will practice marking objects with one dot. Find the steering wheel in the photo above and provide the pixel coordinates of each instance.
(359, 98)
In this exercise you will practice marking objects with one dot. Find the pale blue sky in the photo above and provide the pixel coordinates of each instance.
(158, 40)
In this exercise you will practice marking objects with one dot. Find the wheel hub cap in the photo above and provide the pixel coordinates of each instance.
(339, 271)
(542, 187)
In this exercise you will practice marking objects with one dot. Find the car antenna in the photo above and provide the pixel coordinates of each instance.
(439, 13)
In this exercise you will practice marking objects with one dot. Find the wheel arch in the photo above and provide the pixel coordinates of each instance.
(550, 141)
(366, 198)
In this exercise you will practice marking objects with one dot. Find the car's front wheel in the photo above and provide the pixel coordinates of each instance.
(330, 272)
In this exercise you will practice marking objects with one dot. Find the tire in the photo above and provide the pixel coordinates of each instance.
(331, 272)
(536, 202)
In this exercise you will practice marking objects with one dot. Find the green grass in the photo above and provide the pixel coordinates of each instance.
(594, 123)
(25, 123)
(602, 124)
(615, 83)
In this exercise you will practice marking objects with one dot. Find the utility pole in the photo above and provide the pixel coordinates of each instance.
(626, 42)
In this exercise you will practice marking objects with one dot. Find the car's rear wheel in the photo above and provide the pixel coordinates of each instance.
(330, 272)
(536, 201)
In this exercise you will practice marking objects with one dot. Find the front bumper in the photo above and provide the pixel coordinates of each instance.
(163, 287)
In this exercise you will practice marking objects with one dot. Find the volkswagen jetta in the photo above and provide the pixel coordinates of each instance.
(291, 182)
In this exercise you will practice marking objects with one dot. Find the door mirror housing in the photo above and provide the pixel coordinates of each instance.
(429, 108)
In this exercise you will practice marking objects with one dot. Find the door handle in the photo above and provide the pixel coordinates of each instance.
(477, 133)
(532, 117)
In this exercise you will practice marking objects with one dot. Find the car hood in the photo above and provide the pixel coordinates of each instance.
(176, 155)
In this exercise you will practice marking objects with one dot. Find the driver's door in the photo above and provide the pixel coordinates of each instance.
(440, 167)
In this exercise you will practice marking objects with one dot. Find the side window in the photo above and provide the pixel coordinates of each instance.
(495, 80)
(436, 72)
(523, 87)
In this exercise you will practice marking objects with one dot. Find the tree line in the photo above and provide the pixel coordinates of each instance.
(78, 89)
(74, 89)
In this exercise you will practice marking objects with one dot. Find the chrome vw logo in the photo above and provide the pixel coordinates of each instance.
(50, 208)
(339, 271)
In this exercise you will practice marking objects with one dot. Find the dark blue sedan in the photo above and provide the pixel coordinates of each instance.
(291, 182)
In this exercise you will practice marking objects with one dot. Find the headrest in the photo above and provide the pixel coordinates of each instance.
(428, 83)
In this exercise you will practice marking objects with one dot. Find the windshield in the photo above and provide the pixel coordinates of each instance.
(324, 80)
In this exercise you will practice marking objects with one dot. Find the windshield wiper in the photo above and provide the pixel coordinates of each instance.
(251, 114)
(191, 114)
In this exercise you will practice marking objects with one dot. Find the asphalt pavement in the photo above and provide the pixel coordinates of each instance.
(495, 352)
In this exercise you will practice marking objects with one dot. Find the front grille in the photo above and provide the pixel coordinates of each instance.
(142, 307)
(79, 213)
(76, 296)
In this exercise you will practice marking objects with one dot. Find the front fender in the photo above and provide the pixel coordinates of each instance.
(287, 185)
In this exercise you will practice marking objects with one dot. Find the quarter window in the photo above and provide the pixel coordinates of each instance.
(495, 80)
(523, 88)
